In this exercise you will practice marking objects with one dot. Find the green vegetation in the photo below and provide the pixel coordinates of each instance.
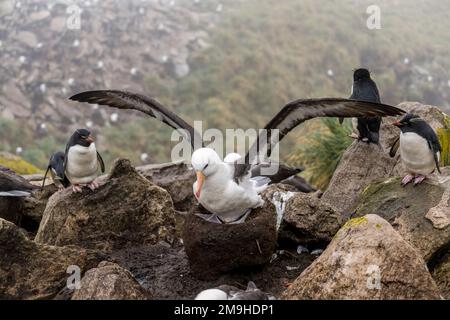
(321, 152)
(17, 164)
(265, 53)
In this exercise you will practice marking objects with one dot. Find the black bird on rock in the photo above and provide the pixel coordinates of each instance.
(366, 129)
(56, 169)
(13, 185)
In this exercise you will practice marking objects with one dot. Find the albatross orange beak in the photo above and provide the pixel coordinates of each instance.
(200, 181)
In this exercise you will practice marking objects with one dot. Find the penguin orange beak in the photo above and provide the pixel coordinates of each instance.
(396, 123)
(200, 181)
(90, 139)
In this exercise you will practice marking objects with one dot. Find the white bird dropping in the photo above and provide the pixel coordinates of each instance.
(71, 81)
(43, 87)
(114, 117)
(22, 59)
(133, 71)
(19, 150)
(406, 61)
(76, 43)
(330, 73)
(144, 157)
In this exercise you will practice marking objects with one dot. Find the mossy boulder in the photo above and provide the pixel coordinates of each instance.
(367, 259)
(17, 164)
(421, 214)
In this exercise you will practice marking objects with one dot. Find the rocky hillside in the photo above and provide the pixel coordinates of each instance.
(46, 56)
(366, 237)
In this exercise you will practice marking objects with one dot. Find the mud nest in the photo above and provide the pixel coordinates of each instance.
(214, 248)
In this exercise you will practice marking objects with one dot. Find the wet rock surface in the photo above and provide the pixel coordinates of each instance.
(126, 210)
(367, 259)
(34, 271)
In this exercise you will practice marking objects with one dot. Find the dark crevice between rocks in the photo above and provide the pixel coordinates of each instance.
(288, 234)
(439, 257)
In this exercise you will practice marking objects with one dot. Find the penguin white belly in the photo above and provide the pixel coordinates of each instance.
(416, 155)
(82, 164)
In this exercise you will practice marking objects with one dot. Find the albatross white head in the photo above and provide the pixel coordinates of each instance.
(205, 162)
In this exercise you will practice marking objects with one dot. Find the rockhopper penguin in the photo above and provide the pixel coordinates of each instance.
(365, 89)
(82, 161)
(419, 148)
(56, 169)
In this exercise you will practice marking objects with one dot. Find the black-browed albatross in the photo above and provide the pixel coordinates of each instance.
(228, 190)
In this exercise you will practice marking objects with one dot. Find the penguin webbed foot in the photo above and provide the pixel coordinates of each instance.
(419, 179)
(76, 188)
(93, 185)
(407, 179)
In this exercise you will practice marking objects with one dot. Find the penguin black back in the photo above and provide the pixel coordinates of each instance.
(365, 89)
(56, 169)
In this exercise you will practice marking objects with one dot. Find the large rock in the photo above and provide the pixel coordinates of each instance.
(176, 178)
(303, 218)
(34, 271)
(367, 259)
(362, 163)
(126, 210)
(214, 248)
(420, 214)
(109, 281)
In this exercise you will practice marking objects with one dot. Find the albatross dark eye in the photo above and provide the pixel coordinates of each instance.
(205, 166)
